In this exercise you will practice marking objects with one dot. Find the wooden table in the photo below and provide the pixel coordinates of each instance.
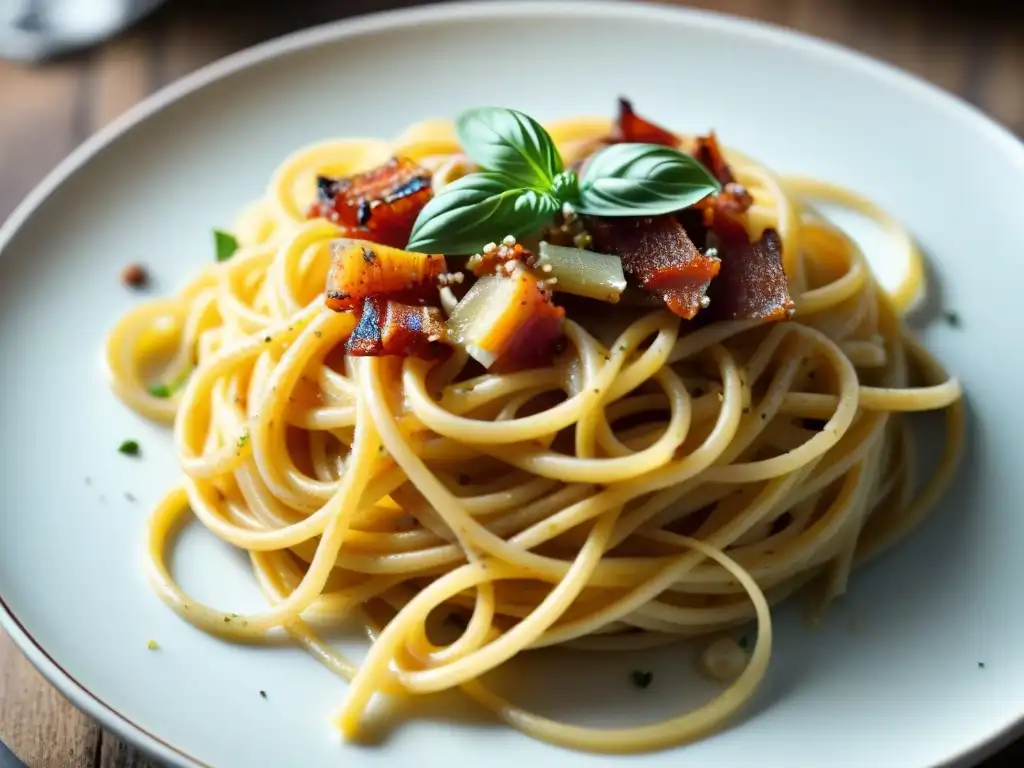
(976, 52)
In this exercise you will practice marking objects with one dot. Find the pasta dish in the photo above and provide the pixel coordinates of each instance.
(495, 386)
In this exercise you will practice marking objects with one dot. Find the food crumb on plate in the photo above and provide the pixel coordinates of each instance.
(641, 678)
(134, 276)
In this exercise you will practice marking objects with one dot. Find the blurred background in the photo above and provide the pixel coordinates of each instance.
(68, 67)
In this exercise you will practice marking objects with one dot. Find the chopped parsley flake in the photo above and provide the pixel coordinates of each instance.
(129, 448)
(164, 391)
(641, 679)
(225, 244)
(243, 440)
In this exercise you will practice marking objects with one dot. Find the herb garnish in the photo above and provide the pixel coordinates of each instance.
(243, 439)
(225, 244)
(129, 448)
(952, 318)
(523, 183)
(164, 391)
(641, 679)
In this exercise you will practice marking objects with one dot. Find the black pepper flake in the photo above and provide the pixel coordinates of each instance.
(266, 339)
(263, 694)
(363, 214)
(641, 679)
(952, 318)
(981, 665)
(744, 642)
(128, 496)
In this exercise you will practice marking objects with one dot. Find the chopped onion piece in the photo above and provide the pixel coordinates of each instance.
(583, 273)
(508, 323)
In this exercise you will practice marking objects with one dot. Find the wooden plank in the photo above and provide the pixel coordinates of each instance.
(121, 76)
(44, 116)
(115, 753)
(1002, 88)
(36, 722)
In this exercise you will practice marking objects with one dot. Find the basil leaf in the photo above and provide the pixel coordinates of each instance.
(225, 244)
(511, 143)
(642, 180)
(477, 209)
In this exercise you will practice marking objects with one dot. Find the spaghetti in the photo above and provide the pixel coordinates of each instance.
(656, 482)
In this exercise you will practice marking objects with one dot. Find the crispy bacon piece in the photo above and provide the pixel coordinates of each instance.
(392, 328)
(751, 284)
(661, 259)
(630, 127)
(723, 211)
(508, 323)
(380, 205)
(733, 198)
(361, 269)
(709, 154)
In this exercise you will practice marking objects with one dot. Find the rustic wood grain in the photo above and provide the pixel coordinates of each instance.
(973, 49)
(36, 722)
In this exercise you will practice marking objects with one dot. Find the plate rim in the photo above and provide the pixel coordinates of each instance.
(450, 10)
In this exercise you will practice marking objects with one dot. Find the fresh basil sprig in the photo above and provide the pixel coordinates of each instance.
(510, 143)
(524, 184)
(642, 180)
(471, 210)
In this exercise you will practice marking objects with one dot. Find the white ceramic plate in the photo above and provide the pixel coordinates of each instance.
(904, 690)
